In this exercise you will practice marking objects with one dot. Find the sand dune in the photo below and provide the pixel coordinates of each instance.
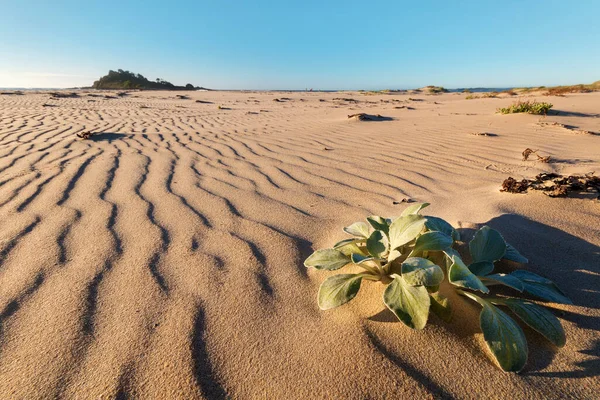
(162, 258)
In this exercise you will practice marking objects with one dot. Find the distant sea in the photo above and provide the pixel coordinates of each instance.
(25, 89)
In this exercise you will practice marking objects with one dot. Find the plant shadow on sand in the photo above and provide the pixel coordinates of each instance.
(562, 113)
(108, 136)
(369, 117)
(573, 263)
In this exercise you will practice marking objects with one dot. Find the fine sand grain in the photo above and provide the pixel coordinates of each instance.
(162, 257)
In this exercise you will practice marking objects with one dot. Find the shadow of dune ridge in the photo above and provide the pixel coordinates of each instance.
(436, 391)
(204, 371)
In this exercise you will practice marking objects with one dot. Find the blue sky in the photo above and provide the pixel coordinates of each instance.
(326, 44)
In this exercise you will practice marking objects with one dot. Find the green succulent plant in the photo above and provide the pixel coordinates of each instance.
(414, 254)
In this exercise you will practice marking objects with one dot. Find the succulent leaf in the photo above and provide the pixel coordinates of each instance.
(337, 290)
(418, 271)
(547, 292)
(487, 245)
(359, 258)
(481, 268)
(538, 318)
(512, 254)
(530, 276)
(432, 241)
(358, 229)
(379, 223)
(405, 229)
(351, 248)
(506, 280)
(394, 254)
(438, 224)
(329, 259)
(346, 242)
(541, 287)
(450, 253)
(503, 336)
(377, 244)
(414, 209)
(409, 303)
(460, 275)
(440, 306)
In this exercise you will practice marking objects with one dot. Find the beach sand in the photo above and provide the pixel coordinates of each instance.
(162, 258)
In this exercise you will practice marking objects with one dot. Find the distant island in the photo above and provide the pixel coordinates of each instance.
(120, 79)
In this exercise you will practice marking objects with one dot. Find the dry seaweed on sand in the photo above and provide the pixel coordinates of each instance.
(84, 135)
(511, 185)
(347, 99)
(59, 95)
(404, 200)
(554, 185)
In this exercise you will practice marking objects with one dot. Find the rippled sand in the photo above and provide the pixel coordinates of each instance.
(163, 257)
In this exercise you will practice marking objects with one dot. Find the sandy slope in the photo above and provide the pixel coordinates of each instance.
(163, 258)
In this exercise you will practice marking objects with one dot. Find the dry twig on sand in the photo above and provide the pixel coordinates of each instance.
(527, 152)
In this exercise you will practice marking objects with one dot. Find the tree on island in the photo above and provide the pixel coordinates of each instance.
(121, 79)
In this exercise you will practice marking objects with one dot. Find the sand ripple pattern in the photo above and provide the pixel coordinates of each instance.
(163, 257)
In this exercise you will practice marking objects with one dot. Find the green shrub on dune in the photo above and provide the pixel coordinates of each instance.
(529, 107)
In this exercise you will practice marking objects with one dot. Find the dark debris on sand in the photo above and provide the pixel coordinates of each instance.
(84, 135)
(59, 95)
(555, 185)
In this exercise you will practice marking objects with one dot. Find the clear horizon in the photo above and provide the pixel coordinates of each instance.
(333, 46)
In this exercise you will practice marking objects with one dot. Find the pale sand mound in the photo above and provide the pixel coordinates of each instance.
(163, 258)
